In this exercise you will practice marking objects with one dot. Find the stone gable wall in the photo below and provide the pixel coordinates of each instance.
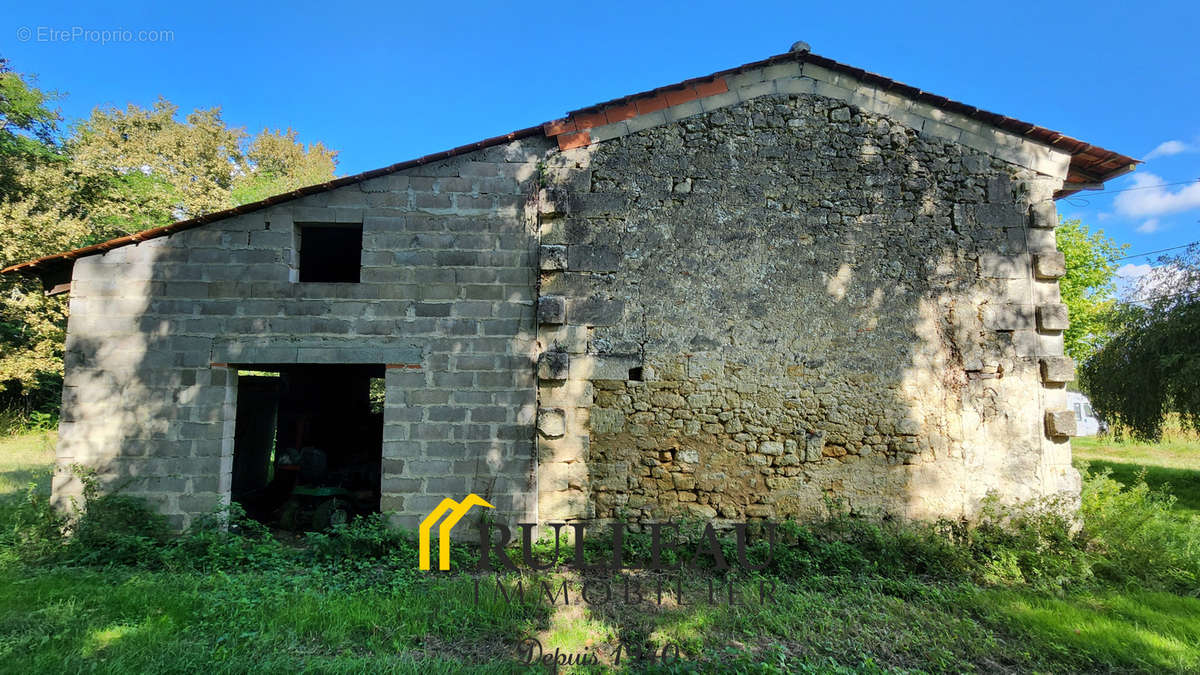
(824, 304)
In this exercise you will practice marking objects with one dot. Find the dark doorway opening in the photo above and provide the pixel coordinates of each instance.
(308, 443)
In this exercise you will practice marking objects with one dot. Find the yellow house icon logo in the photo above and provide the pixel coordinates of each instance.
(456, 510)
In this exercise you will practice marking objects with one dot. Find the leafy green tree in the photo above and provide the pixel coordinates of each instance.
(278, 162)
(1151, 366)
(31, 325)
(117, 172)
(1088, 289)
(29, 128)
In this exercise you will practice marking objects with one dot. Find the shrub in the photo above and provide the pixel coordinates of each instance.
(33, 529)
(365, 537)
(1135, 536)
(1029, 543)
(226, 539)
(114, 528)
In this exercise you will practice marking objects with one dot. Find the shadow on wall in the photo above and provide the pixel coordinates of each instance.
(443, 307)
(828, 307)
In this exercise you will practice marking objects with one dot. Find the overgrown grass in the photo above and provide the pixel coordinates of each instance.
(1022, 592)
(1174, 464)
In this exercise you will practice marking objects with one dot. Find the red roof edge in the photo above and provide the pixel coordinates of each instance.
(190, 223)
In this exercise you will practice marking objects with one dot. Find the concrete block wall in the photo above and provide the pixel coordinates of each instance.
(446, 302)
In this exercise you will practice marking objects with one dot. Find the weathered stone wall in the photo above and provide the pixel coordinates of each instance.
(446, 300)
(825, 304)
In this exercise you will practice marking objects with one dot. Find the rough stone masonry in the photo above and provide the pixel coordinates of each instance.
(747, 297)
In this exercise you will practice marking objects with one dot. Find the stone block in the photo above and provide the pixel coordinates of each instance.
(1057, 369)
(595, 312)
(1060, 423)
(552, 422)
(553, 366)
(771, 448)
(1050, 265)
(1052, 318)
(1043, 215)
(1002, 267)
(552, 309)
(591, 258)
(814, 446)
(552, 257)
(1008, 317)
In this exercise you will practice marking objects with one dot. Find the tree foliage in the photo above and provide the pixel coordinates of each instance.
(117, 172)
(1088, 289)
(29, 128)
(1151, 366)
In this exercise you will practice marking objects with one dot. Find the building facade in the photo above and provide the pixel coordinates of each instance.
(749, 295)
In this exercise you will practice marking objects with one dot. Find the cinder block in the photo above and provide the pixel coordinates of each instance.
(1050, 265)
(1052, 318)
(1060, 423)
(1057, 369)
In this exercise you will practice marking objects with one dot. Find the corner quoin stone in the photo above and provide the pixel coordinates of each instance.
(1060, 423)
(553, 366)
(1052, 265)
(1052, 318)
(1043, 215)
(552, 257)
(552, 422)
(552, 309)
(596, 312)
(1057, 369)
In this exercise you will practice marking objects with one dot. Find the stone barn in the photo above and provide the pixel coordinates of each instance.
(745, 295)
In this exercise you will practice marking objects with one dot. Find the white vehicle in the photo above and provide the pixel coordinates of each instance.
(1086, 422)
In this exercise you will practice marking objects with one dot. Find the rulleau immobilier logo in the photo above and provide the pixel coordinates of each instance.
(456, 511)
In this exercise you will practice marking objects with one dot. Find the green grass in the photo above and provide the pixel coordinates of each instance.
(1173, 463)
(24, 459)
(278, 614)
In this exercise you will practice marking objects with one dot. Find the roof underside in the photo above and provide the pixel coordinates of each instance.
(1090, 165)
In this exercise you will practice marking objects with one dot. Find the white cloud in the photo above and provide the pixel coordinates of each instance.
(1148, 196)
(1149, 227)
(1168, 148)
(1130, 271)
(1136, 283)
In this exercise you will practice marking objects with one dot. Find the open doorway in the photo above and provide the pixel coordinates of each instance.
(308, 443)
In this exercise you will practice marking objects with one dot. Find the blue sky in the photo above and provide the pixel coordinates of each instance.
(386, 82)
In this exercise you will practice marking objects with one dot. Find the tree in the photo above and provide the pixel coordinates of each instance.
(1151, 366)
(1088, 289)
(31, 325)
(117, 172)
(278, 162)
(29, 130)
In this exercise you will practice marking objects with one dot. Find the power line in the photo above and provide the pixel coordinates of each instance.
(1101, 193)
(1076, 198)
(1157, 297)
(1161, 250)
